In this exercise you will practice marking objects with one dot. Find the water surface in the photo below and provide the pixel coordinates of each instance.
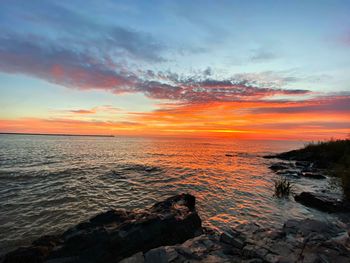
(48, 183)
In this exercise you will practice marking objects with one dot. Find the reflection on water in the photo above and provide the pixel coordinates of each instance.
(48, 183)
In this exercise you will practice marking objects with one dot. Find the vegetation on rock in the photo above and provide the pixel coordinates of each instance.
(283, 188)
(333, 155)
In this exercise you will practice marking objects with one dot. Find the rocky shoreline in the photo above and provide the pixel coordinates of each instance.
(297, 164)
(171, 231)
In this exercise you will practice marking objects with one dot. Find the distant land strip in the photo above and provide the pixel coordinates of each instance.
(55, 134)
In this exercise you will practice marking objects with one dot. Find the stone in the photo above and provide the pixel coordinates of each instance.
(35, 254)
(307, 227)
(272, 258)
(249, 251)
(61, 260)
(313, 175)
(254, 260)
(322, 202)
(156, 255)
(172, 254)
(302, 164)
(290, 173)
(279, 166)
(136, 258)
(118, 234)
(232, 240)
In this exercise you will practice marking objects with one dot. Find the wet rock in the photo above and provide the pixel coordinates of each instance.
(290, 173)
(313, 175)
(233, 240)
(322, 202)
(117, 234)
(302, 164)
(279, 166)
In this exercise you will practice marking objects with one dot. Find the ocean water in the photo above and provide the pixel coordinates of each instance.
(49, 183)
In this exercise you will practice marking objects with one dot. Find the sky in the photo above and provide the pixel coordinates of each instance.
(237, 69)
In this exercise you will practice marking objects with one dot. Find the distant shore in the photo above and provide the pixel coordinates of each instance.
(55, 134)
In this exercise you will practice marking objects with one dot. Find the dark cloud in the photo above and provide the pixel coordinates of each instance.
(321, 105)
(81, 32)
(137, 44)
(59, 65)
(82, 111)
(86, 70)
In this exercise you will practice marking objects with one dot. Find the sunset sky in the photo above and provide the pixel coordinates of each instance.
(240, 69)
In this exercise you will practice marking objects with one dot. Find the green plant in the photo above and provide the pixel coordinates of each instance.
(283, 188)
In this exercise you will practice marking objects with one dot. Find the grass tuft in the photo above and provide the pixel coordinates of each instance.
(283, 188)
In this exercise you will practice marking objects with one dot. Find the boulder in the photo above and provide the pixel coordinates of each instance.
(322, 202)
(117, 234)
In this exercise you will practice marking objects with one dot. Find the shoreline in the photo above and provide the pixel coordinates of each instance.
(171, 231)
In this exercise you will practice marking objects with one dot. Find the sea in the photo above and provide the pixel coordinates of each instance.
(50, 183)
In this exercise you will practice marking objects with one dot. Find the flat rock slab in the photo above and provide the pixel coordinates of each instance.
(297, 241)
(116, 234)
(323, 202)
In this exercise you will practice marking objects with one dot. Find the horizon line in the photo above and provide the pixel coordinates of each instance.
(56, 134)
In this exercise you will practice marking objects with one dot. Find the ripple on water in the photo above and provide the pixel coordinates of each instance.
(50, 183)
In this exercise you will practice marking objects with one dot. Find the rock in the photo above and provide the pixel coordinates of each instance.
(117, 234)
(249, 251)
(272, 258)
(62, 260)
(230, 239)
(303, 164)
(279, 166)
(308, 227)
(322, 202)
(254, 260)
(137, 258)
(156, 255)
(313, 175)
(290, 173)
(35, 254)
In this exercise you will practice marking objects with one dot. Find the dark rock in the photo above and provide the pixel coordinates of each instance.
(279, 166)
(307, 227)
(290, 173)
(156, 255)
(302, 164)
(322, 202)
(117, 234)
(35, 254)
(136, 258)
(235, 241)
(270, 156)
(313, 175)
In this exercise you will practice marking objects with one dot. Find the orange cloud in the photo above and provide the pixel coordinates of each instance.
(313, 119)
